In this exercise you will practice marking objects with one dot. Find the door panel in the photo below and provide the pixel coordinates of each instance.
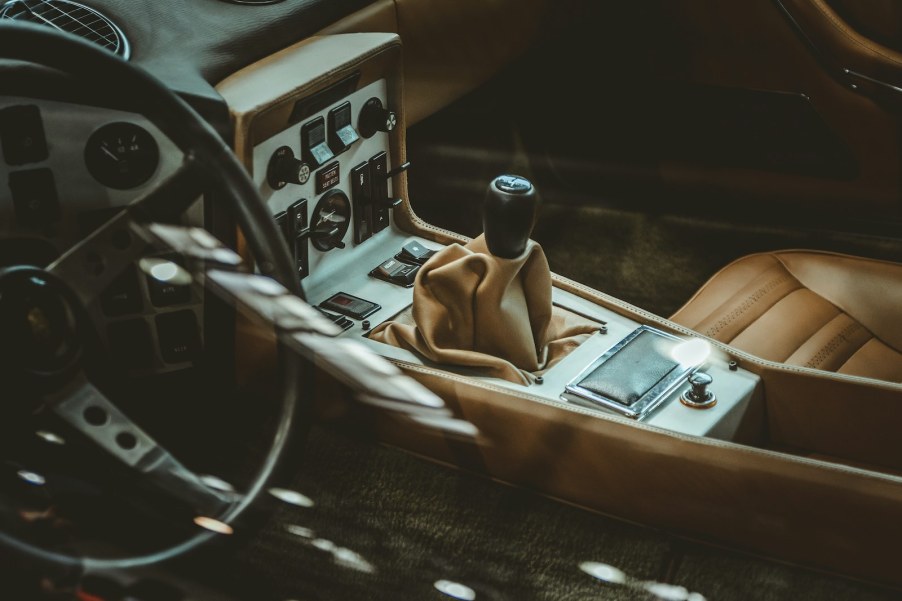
(721, 104)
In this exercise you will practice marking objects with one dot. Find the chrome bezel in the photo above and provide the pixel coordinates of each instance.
(118, 44)
(575, 393)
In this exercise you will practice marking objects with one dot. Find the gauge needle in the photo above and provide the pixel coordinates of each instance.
(109, 153)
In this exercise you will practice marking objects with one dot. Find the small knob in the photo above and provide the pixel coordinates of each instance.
(374, 118)
(509, 214)
(326, 236)
(285, 168)
(698, 396)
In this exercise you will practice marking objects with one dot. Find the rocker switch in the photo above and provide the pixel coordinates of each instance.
(313, 143)
(341, 132)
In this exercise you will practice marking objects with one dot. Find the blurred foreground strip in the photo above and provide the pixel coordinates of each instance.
(304, 330)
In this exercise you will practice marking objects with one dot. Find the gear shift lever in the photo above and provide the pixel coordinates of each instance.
(487, 305)
(509, 215)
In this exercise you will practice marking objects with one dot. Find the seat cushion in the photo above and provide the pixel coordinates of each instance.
(814, 309)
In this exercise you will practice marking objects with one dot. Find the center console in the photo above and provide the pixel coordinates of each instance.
(327, 155)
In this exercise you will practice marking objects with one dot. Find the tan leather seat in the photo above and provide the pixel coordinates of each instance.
(815, 309)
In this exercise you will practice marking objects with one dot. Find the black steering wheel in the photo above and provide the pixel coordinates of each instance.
(47, 359)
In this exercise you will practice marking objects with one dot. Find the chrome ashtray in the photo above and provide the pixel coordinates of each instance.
(635, 375)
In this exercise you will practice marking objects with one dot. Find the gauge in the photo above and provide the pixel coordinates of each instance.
(121, 155)
(330, 220)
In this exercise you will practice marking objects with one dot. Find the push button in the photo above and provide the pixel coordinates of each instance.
(166, 294)
(341, 133)
(22, 135)
(395, 272)
(178, 337)
(34, 197)
(313, 143)
(416, 253)
(123, 295)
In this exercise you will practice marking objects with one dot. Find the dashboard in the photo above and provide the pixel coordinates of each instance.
(68, 169)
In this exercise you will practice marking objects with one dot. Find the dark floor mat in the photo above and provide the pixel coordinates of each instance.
(386, 525)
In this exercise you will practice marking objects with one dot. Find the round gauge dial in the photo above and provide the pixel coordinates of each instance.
(330, 220)
(121, 155)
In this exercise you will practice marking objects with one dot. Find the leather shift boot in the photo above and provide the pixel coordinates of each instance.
(471, 308)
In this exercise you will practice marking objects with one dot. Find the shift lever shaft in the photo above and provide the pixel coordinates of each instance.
(509, 214)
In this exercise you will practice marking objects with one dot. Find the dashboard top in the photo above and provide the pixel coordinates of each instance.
(191, 46)
(212, 38)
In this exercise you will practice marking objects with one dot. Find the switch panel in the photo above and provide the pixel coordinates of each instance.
(347, 199)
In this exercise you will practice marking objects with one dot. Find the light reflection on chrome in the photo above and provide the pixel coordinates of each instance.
(455, 590)
(213, 525)
(31, 477)
(165, 271)
(216, 483)
(603, 571)
(300, 531)
(50, 437)
(660, 590)
(692, 352)
(324, 545)
(353, 560)
(667, 592)
(451, 426)
(342, 556)
(292, 497)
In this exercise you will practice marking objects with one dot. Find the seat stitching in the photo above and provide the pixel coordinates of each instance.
(834, 345)
(745, 305)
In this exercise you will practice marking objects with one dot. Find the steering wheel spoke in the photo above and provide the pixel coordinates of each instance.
(86, 409)
(92, 264)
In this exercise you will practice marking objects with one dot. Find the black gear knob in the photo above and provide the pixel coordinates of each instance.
(509, 214)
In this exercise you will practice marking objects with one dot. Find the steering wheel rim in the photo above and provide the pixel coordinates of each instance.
(144, 94)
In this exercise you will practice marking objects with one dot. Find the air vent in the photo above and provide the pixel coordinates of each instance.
(70, 17)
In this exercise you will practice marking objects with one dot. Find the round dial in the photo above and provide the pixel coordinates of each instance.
(330, 220)
(121, 155)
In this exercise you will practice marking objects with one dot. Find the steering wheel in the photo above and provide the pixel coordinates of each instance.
(47, 358)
